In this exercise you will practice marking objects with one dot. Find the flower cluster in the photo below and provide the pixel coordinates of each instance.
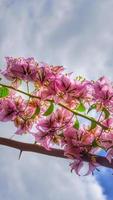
(59, 110)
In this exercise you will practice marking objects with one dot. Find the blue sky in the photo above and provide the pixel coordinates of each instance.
(79, 35)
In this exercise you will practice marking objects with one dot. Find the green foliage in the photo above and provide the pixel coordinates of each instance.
(4, 92)
(37, 111)
(92, 107)
(106, 113)
(94, 143)
(93, 124)
(49, 110)
(81, 107)
(76, 124)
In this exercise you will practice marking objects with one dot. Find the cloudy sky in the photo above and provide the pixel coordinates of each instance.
(79, 35)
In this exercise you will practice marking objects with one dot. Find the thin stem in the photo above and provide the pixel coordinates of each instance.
(83, 116)
(20, 91)
(60, 104)
(28, 94)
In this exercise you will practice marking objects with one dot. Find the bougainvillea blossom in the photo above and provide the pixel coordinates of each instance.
(55, 112)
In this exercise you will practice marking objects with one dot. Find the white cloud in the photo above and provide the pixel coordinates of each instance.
(36, 176)
(77, 34)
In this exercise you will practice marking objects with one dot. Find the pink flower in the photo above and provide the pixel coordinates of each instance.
(73, 146)
(45, 131)
(71, 91)
(92, 166)
(60, 119)
(20, 68)
(108, 123)
(76, 166)
(106, 139)
(47, 124)
(76, 142)
(58, 88)
(109, 155)
(48, 91)
(53, 125)
(79, 163)
(103, 91)
(8, 110)
(43, 139)
(23, 126)
(64, 88)
(57, 69)
(47, 78)
(47, 74)
(63, 118)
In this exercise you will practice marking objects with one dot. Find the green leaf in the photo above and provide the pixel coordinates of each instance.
(37, 111)
(94, 143)
(3, 92)
(106, 112)
(91, 108)
(49, 110)
(81, 107)
(93, 125)
(76, 124)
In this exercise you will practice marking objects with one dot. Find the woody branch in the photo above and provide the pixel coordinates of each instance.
(22, 146)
